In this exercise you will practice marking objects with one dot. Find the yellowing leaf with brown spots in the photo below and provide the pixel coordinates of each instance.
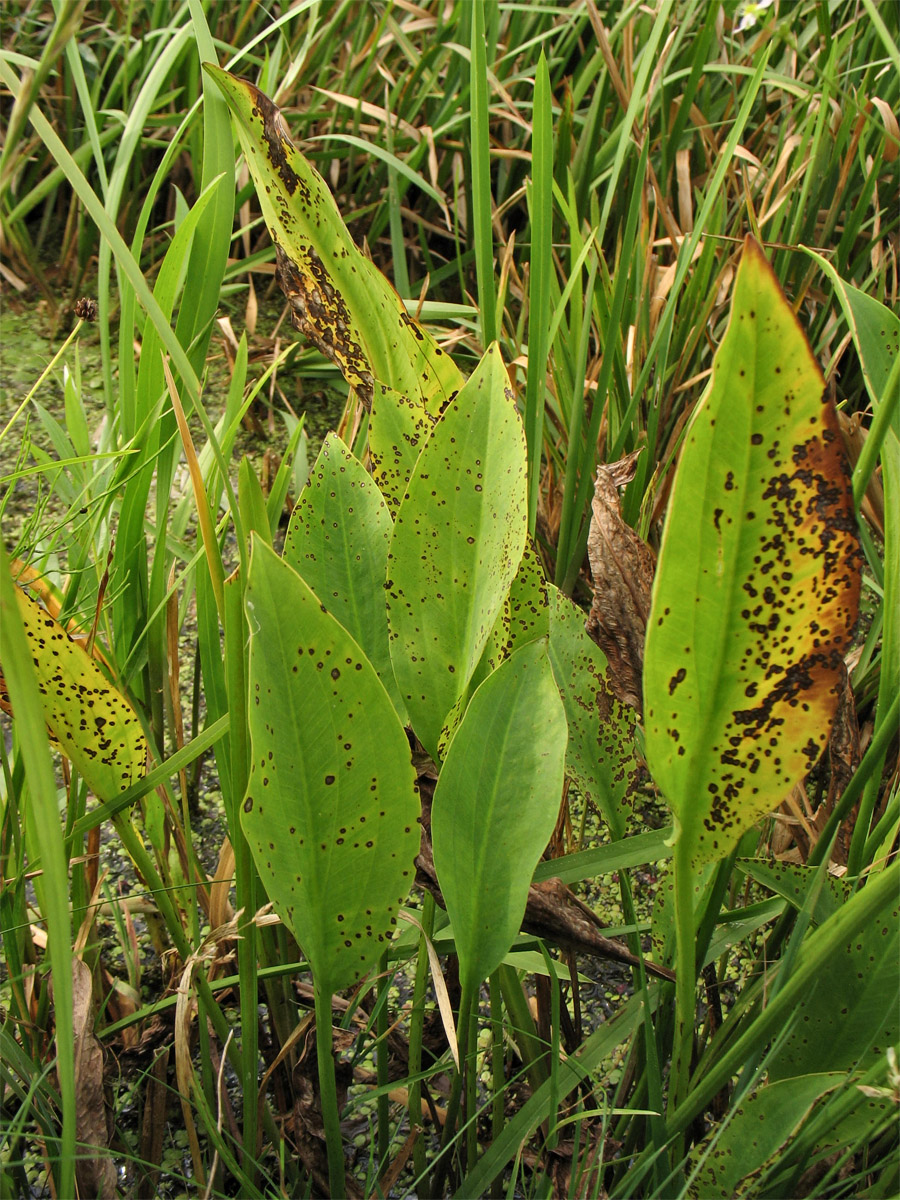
(756, 592)
(339, 299)
(95, 726)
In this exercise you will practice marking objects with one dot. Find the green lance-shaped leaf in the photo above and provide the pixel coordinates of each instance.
(495, 806)
(600, 756)
(337, 541)
(494, 652)
(523, 617)
(457, 542)
(339, 299)
(794, 881)
(757, 588)
(330, 812)
(94, 725)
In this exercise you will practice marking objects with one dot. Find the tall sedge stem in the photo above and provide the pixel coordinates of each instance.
(245, 876)
(498, 1081)
(470, 1071)
(43, 375)
(685, 980)
(416, 1027)
(381, 1061)
(463, 1039)
(481, 180)
(331, 1117)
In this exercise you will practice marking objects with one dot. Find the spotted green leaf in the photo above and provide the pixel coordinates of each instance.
(794, 881)
(330, 811)
(398, 428)
(523, 617)
(851, 1016)
(338, 540)
(732, 1160)
(529, 613)
(339, 299)
(757, 588)
(600, 756)
(843, 985)
(495, 806)
(95, 726)
(456, 545)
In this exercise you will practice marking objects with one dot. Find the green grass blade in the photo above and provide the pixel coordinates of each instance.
(482, 196)
(539, 280)
(386, 156)
(209, 252)
(537, 1108)
(176, 762)
(884, 33)
(128, 149)
(34, 746)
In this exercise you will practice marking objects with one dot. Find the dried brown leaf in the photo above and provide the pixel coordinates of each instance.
(891, 128)
(622, 567)
(220, 910)
(95, 1172)
(153, 1126)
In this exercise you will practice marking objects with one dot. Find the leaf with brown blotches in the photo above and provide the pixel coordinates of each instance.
(92, 722)
(757, 590)
(339, 299)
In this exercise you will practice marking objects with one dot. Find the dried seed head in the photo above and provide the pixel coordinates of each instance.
(86, 309)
